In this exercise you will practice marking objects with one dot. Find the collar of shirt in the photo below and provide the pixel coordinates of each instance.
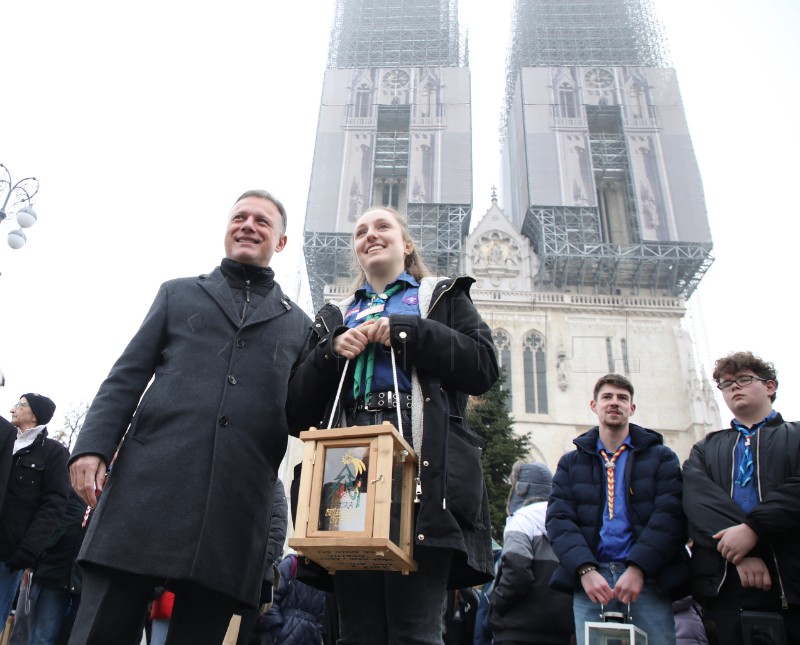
(405, 277)
(601, 448)
(740, 426)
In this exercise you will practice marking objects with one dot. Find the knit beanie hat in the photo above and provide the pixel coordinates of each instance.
(528, 481)
(42, 407)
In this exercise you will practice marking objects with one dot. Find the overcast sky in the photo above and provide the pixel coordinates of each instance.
(143, 122)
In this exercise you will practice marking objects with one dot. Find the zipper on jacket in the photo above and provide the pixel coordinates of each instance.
(246, 299)
(730, 492)
(418, 479)
(439, 297)
(784, 602)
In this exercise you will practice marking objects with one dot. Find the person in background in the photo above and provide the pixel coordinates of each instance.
(483, 630)
(55, 588)
(615, 519)
(742, 498)
(297, 614)
(199, 396)
(277, 537)
(399, 322)
(36, 494)
(523, 607)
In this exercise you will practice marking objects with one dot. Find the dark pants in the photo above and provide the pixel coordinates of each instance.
(114, 605)
(380, 607)
(725, 610)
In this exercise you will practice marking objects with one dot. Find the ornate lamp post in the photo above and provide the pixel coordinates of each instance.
(19, 197)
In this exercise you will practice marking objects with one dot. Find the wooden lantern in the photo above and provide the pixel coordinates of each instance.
(355, 505)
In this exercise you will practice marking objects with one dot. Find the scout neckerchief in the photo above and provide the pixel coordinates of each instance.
(365, 362)
(746, 465)
(610, 468)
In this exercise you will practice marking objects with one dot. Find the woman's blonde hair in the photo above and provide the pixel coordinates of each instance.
(414, 264)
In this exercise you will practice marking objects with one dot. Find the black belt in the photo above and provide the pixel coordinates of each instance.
(377, 401)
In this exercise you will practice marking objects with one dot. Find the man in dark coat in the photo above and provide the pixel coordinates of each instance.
(36, 496)
(615, 519)
(190, 494)
(742, 499)
(7, 435)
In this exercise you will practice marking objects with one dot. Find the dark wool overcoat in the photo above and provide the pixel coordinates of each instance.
(190, 493)
(451, 352)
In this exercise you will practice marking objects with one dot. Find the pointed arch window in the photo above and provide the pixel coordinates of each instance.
(535, 370)
(502, 342)
(363, 102)
(567, 102)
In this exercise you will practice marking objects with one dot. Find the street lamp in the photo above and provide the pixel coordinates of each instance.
(19, 195)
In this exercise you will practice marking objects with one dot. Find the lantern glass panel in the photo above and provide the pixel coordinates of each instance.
(343, 502)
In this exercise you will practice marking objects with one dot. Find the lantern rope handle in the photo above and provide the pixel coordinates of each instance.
(396, 394)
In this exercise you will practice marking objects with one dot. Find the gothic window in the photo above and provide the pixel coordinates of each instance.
(535, 370)
(625, 365)
(428, 102)
(567, 102)
(363, 95)
(503, 344)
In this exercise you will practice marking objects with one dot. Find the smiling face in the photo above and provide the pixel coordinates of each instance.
(379, 245)
(255, 232)
(613, 406)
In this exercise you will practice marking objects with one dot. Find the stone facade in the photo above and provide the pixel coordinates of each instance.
(554, 346)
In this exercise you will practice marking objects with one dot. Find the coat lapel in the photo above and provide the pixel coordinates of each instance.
(217, 287)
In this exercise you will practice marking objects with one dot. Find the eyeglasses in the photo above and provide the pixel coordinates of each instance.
(20, 404)
(741, 381)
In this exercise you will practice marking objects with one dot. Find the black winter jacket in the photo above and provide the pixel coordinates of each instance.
(35, 501)
(8, 433)
(452, 354)
(653, 487)
(708, 481)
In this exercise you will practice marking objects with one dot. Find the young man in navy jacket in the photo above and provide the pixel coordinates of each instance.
(615, 520)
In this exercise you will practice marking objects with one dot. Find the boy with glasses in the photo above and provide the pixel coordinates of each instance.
(742, 499)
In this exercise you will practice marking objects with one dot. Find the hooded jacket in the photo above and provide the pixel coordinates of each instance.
(523, 607)
(653, 495)
(451, 353)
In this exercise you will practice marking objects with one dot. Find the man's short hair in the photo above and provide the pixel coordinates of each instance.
(263, 194)
(617, 380)
(738, 361)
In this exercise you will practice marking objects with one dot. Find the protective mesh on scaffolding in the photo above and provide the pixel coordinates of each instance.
(588, 33)
(396, 33)
(569, 244)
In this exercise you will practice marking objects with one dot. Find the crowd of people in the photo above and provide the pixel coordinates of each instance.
(168, 518)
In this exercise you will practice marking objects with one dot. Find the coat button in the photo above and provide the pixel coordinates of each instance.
(223, 421)
(420, 537)
(403, 335)
(426, 463)
(231, 379)
(240, 343)
(317, 325)
(427, 399)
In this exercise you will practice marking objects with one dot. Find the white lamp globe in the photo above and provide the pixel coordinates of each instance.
(16, 239)
(26, 217)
